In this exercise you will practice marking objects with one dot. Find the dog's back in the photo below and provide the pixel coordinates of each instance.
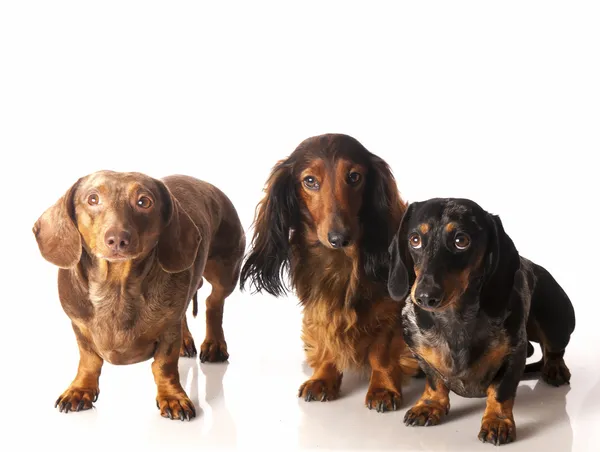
(201, 199)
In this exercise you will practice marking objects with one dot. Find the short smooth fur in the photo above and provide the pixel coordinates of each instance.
(472, 305)
(133, 251)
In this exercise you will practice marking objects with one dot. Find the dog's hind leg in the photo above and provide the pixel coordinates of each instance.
(552, 365)
(551, 323)
(222, 276)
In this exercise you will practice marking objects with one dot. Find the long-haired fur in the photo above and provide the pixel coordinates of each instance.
(280, 213)
(276, 215)
(343, 291)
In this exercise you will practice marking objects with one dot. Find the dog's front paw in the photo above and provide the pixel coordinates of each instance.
(424, 415)
(188, 348)
(320, 390)
(176, 406)
(382, 399)
(213, 351)
(77, 399)
(556, 373)
(497, 430)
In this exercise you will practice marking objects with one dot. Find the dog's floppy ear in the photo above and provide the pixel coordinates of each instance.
(401, 273)
(502, 260)
(276, 215)
(180, 238)
(56, 233)
(380, 215)
(501, 248)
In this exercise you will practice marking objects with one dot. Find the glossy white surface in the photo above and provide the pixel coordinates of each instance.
(251, 404)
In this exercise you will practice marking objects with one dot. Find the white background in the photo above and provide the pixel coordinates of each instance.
(495, 101)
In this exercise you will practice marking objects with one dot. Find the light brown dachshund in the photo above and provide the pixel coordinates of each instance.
(133, 252)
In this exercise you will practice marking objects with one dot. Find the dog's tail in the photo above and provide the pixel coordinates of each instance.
(195, 305)
(533, 367)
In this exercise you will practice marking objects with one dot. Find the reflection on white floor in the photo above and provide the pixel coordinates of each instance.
(250, 403)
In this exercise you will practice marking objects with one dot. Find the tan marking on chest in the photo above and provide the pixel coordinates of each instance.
(491, 359)
(437, 358)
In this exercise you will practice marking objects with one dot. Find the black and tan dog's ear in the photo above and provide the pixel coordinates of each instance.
(501, 265)
(401, 274)
(180, 238)
(276, 216)
(57, 235)
(501, 249)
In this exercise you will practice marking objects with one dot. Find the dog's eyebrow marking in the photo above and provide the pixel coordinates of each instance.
(424, 228)
(451, 227)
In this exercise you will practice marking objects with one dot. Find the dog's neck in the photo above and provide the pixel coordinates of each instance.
(464, 327)
(115, 280)
(454, 323)
(321, 274)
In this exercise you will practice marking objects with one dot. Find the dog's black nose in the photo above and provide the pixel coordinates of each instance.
(338, 239)
(429, 297)
(117, 240)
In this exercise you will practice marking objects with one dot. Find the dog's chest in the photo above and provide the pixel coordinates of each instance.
(127, 321)
(345, 336)
(465, 359)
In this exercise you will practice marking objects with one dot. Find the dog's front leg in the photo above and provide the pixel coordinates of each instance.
(84, 390)
(498, 424)
(433, 404)
(324, 384)
(385, 386)
(171, 399)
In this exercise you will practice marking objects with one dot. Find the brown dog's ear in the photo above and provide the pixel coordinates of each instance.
(57, 235)
(268, 261)
(381, 214)
(179, 240)
(401, 272)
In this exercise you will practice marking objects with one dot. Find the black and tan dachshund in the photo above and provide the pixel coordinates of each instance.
(472, 305)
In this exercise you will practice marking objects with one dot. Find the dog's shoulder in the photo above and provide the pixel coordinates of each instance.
(525, 281)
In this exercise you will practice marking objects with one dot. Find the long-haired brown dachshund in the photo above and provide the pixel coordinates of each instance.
(330, 211)
(132, 252)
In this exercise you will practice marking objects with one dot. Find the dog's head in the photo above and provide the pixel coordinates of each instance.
(443, 246)
(337, 195)
(117, 217)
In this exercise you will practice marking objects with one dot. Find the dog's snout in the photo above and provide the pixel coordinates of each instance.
(338, 239)
(429, 295)
(428, 300)
(117, 240)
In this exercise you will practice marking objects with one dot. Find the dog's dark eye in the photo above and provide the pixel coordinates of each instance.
(144, 202)
(93, 199)
(462, 241)
(354, 178)
(311, 183)
(415, 240)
